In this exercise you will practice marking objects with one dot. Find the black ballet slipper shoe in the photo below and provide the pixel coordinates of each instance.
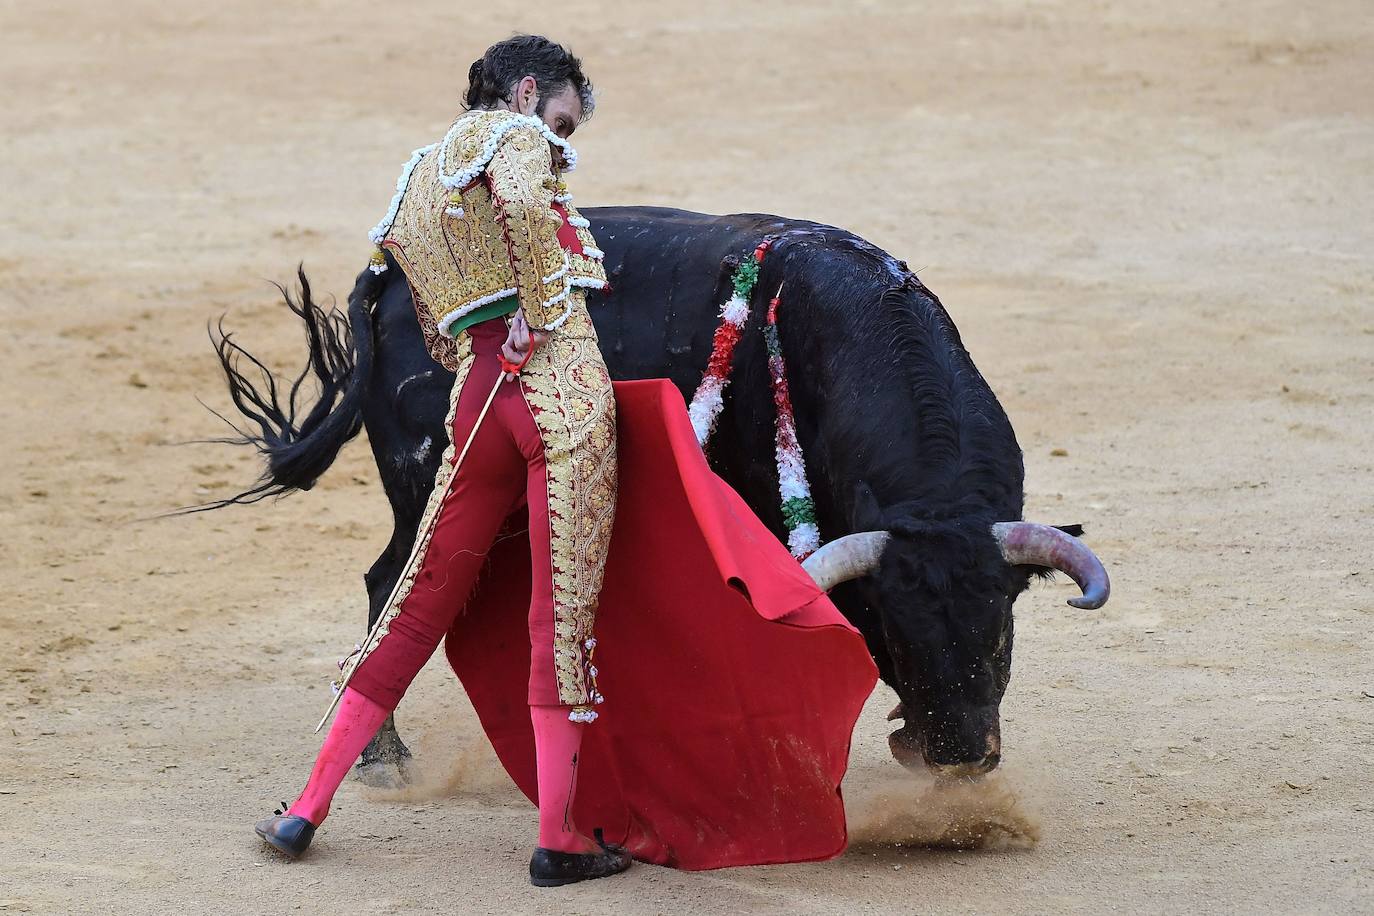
(288, 833)
(551, 868)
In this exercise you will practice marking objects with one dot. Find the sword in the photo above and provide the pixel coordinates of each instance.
(506, 367)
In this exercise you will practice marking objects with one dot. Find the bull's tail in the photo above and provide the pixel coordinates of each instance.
(299, 451)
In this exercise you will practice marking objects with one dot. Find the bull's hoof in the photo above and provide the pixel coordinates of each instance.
(906, 750)
(966, 770)
(385, 762)
(384, 774)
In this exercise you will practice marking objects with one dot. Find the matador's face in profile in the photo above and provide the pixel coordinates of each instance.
(561, 111)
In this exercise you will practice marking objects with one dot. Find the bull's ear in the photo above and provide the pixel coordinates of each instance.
(866, 515)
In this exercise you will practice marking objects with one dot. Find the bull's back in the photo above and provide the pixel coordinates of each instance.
(665, 270)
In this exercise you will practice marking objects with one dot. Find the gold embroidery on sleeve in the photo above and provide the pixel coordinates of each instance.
(522, 185)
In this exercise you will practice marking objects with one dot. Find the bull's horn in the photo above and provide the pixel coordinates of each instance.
(1026, 543)
(849, 557)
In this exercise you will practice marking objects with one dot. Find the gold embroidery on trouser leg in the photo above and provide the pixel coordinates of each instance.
(567, 384)
(443, 477)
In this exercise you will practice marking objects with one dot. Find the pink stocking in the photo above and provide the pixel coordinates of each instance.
(557, 744)
(357, 720)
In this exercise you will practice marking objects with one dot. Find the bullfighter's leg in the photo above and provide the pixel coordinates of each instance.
(479, 497)
(557, 748)
(557, 738)
(407, 480)
(570, 443)
(566, 536)
(355, 722)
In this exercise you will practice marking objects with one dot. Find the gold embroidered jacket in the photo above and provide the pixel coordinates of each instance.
(477, 217)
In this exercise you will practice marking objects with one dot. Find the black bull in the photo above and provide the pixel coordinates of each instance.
(900, 432)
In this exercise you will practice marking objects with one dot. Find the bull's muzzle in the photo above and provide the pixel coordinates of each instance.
(915, 751)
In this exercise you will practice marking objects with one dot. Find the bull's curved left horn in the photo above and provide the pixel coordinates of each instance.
(1032, 544)
(846, 558)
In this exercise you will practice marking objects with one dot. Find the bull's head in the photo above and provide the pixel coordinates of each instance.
(944, 638)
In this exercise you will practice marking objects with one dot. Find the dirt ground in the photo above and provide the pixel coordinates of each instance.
(1151, 221)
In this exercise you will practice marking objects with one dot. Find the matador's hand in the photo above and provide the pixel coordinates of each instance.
(521, 342)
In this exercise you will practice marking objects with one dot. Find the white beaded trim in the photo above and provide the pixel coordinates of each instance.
(582, 715)
(579, 221)
(463, 177)
(560, 272)
(596, 254)
(454, 315)
(554, 300)
(380, 230)
(557, 322)
(588, 282)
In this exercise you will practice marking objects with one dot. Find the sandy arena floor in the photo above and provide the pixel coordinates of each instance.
(1152, 222)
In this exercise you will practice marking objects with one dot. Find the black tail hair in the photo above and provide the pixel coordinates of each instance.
(341, 355)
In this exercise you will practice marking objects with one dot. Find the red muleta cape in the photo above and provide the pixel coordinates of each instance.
(732, 682)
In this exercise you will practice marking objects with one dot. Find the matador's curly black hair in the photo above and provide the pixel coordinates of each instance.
(507, 62)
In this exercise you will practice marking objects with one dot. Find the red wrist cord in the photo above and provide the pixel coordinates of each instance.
(508, 366)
